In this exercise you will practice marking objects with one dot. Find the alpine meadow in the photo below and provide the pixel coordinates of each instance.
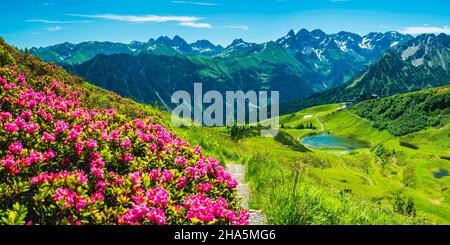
(348, 123)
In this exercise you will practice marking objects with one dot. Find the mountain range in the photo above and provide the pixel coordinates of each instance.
(74, 54)
(148, 78)
(307, 67)
(422, 62)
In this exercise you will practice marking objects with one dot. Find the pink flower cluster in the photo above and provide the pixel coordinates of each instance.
(15, 147)
(69, 199)
(161, 176)
(45, 177)
(103, 166)
(148, 207)
(204, 209)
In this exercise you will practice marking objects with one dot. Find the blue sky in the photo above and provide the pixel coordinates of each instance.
(29, 23)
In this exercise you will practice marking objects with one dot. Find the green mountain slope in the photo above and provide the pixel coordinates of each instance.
(406, 113)
(148, 78)
(297, 65)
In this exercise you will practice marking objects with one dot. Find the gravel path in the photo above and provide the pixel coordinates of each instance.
(238, 171)
(317, 118)
(353, 114)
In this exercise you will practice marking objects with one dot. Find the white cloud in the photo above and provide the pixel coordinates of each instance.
(242, 27)
(45, 4)
(414, 30)
(57, 21)
(195, 3)
(56, 28)
(141, 18)
(195, 25)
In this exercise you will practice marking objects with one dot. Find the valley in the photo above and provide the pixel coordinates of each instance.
(369, 185)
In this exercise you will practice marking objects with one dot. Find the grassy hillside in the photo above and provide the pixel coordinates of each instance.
(67, 156)
(314, 187)
(390, 182)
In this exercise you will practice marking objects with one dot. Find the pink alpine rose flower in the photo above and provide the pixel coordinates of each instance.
(15, 147)
(47, 137)
(126, 143)
(10, 127)
(91, 144)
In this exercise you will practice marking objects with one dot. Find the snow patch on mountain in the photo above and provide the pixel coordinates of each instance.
(366, 43)
(410, 51)
(342, 45)
(202, 50)
(394, 44)
(319, 54)
(418, 62)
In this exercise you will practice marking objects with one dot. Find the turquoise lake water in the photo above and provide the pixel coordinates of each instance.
(324, 141)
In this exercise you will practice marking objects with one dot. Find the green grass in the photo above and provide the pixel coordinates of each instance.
(338, 187)
(288, 194)
(430, 194)
(295, 119)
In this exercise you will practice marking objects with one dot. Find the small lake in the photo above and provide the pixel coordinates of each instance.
(442, 173)
(329, 141)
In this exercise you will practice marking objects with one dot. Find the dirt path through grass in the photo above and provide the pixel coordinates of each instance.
(238, 172)
(317, 118)
(353, 114)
